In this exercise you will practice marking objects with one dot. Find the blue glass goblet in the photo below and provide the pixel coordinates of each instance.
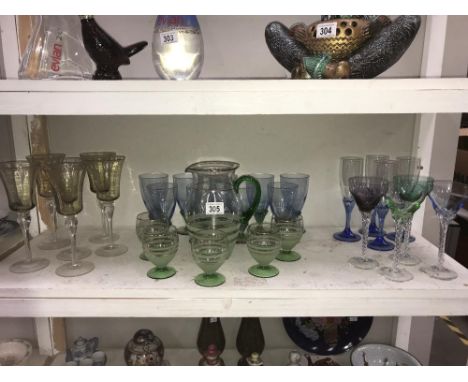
(282, 196)
(302, 182)
(262, 209)
(181, 183)
(150, 178)
(160, 201)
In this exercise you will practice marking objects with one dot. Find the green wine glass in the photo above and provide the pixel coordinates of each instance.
(290, 232)
(160, 247)
(264, 244)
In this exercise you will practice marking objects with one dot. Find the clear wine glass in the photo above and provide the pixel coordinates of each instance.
(264, 180)
(100, 238)
(67, 177)
(160, 245)
(404, 198)
(447, 198)
(302, 182)
(18, 179)
(45, 190)
(349, 167)
(106, 173)
(264, 244)
(385, 169)
(181, 182)
(367, 192)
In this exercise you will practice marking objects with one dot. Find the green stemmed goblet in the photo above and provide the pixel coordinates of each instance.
(67, 177)
(210, 249)
(405, 196)
(45, 190)
(264, 244)
(142, 220)
(290, 232)
(160, 244)
(17, 177)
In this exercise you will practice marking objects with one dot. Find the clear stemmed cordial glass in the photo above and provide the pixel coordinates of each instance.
(264, 244)
(302, 182)
(99, 238)
(406, 165)
(370, 170)
(18, 179)
(447, 198)
(386, 169)
(181, 182)
(67, 177)
(367, 192)
(45, 190)
(263, 180)
(349, 167)
(106, 173)
(404, 197)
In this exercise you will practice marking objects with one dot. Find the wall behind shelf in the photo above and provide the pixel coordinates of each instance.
(276, 144)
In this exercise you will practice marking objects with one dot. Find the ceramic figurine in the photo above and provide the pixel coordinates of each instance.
(294, 358)
(107, 53)
(254, 360)
(144, 349)
(81, 349)
(211, 357)
(341, 46)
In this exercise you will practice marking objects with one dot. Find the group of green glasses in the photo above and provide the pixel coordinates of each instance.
(210, 248)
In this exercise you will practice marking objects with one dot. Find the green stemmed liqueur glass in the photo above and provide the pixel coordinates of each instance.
(160, 244)
(264, 244)
(290, 232)
(210, 249)
(45, 190)
(404, 198)
(67, 177)
(17, 177)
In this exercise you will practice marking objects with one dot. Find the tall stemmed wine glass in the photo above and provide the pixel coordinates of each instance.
(45, 190)
(370, 170)
(100, 238)
(263, 180)
(106, 173)
(349, 167)
(385, 169)
(404, 198)
(181, 183)
(18, 179)
(447, 198)
(67, 177)
(367, 192)
(149, 178)
(302, 182)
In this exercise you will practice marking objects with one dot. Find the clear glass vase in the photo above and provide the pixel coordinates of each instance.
(55, 50)
(177, 47)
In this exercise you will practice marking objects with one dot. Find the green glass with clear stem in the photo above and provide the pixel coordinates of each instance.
(264, 244)
(18, 179)
(290, 232)
(160, 243)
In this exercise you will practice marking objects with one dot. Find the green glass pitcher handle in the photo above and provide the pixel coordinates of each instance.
(245, 217)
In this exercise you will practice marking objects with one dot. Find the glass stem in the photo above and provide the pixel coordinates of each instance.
(109, 210)
(399, 230)
(407, 234)
(103, 218)
(348, 205)
(51, 207)
(72, 224)
(373, 218)
(365, 233)
(382, 211)
(442, 237)
(24, 219)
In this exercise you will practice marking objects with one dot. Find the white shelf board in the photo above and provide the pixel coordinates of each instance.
(234, 97)
(322, 283)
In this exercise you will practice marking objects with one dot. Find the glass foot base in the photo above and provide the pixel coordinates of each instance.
(111, 250)
(263, 271)
(69, 270)
(212, 280)
(391, 236)
(346, 237)
(143, 257)
(161, 273)
(288, 256)
(380, 244)
(24, 266)
(182, 230)
(408, 260)
(371, 233)
(398, 275)
(102, 239)
(54, 244)
(361, 263)
(81, 253)
(439, 273)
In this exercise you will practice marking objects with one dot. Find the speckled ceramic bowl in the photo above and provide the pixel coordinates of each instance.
(14, 351)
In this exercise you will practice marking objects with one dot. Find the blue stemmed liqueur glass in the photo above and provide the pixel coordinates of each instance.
(182, 182)
(447, 197)
(302, 182)
(161, 201)
(282, 196)
(349, 167)
(385, 169)
(262, 209)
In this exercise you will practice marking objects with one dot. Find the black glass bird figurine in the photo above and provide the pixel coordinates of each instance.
(107, 53)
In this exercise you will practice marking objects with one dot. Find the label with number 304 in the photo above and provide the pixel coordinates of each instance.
(326, 30)
(168, 37)
(214, 208)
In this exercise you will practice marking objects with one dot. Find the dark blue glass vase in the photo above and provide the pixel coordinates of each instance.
(347, 235)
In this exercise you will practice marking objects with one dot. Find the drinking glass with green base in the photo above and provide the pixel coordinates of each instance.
(264, 244)
(290, 232)
(160, 247)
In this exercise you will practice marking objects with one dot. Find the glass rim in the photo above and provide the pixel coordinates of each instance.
(153, 175)
(15, 163)
(261, 175)
(183, 175)
(97, 154)
(212, 234)
(213, 166)
(116, 158)
(138, 217)
(294, 175)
